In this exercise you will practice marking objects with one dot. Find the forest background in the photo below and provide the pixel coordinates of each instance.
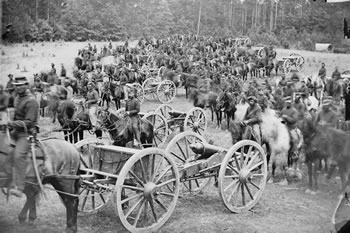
(286, 23)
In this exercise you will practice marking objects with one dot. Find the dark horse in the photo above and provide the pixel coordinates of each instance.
(226, 103)
(58, 162)
(120, 130)
(322, 142)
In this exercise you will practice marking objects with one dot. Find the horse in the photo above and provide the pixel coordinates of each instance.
(118, 126)
(316, 84)
(323, 142)
(227, 103)
(58, 163)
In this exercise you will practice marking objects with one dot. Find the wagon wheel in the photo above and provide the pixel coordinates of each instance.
(287, 66)
(140, 93)
(92, 197)
(160, 128)
(179, 148)
(147, 190)
(196, 121)
(300, 62)
(164, 110)
(242, 176)
(149, 88)
(166, 91)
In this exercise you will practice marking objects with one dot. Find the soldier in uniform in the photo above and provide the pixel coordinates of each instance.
(327, 116)
(252, 119)
(91, 101)
(322, 73)
(132, 108)
(24, 123)
(289, 117)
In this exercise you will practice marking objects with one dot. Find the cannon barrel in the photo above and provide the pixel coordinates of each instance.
(204, 149)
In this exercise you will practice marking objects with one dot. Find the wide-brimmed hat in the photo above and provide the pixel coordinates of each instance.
(287, 99)
(252, 98)
(327, 101)
(20, 81)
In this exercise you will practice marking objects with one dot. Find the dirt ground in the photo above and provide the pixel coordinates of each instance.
(281, 208)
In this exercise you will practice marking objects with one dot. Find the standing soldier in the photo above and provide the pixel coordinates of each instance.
(63, 71)
(24, 124)
(322, 73)
(91, 102)
(132, 109)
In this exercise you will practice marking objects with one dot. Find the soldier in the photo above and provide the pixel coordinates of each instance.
(4, 101)
(327, 116)
(63, 71)
(132, 108)
(53, 69)
(252, 119)
(336, 74)
(91, 101)
(289, 90)
(322, 73)
(24, 123)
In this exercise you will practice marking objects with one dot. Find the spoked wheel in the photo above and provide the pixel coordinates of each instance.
(242, 176)
(287, 66)
(139, 89)
(196, 121)
(164, 110)
(160, 128)
(149, 88)
(92, 196)
(147, 190)
(179, 148)
(166, 91)
(300, 62)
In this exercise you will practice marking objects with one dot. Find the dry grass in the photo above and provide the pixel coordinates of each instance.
(280, 209)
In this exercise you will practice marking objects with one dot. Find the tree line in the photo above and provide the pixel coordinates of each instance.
(296, 23)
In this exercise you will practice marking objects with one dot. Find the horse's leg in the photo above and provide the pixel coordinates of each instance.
(29, 205)
(315, 173)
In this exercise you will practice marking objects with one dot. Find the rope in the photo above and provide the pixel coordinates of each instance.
(52, 189)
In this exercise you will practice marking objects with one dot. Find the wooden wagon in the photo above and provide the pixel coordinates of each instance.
(194, 120)
(294, 59)
(144, 185)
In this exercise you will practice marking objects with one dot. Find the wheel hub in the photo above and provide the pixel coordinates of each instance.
(196, 125)
(244, 175)
(149, 190)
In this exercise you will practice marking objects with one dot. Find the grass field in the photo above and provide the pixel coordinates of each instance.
(281, 209)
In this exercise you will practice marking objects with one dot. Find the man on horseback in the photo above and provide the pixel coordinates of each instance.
(252, 119)
(289, 117)
(24, 123)
(327, 116)
(132, 109)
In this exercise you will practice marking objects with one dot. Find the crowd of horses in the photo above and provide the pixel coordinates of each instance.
(215, 73)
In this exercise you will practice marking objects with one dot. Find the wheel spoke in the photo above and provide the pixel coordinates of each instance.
(137, 178)
(131, 198)
(166, 182)
(93, 199)
(163, 173)
(178, 157)
(237, 163)
(157, 169)
(236, 188)
(139, 212)
(153, 210)
(243, 195)
(84, 200)
(167, 194)
(256, 165)
(134, 206)
(230, 185)
(183, 153)
(133, 188)
(248, 190)
(254, 185)
(252, 159)
(233, 169)
(161, 204)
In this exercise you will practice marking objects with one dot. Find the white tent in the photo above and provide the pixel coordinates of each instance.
(323, 47)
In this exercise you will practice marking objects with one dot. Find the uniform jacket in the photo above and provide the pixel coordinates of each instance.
(253, 114)
(27, 111)
(329, 117)
(132, 106)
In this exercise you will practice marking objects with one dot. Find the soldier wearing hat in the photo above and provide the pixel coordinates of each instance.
(327, 116)
(288, 90)
(132, 108)
(92, 99)
(252, 119)
(24, 123)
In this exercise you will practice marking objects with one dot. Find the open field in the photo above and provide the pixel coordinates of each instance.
(281, 209)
